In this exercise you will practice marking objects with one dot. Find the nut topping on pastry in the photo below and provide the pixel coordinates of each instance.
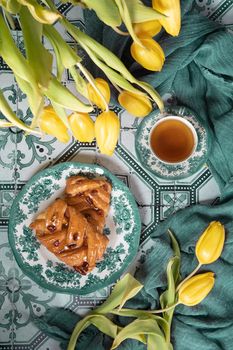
(72, 228)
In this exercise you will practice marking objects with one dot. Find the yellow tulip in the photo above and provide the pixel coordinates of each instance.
(135, 104)
(107, 129)
(94, 97)
(210, 245)
(171, 9)
(51, 124)
(147, 29)
(195, 289)
(82, 126)
(150, 55)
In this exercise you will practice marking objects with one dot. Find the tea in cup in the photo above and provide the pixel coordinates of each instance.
(173, 139)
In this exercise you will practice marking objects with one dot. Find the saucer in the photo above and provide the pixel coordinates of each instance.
(171, 171)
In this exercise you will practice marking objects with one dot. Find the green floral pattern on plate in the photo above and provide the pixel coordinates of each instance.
(122, 225)
(167, 171)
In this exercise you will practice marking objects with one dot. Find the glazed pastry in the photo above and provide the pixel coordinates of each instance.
(96, 243)
(96, 195)
(95, 218)
(77, 228)
(72, 228)
(54, 216)
(55, 243)
(79, 184)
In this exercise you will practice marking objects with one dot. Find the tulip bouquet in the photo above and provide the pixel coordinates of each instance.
(148, 327)
(67, 112)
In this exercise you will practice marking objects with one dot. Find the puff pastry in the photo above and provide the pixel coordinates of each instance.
(72, 227)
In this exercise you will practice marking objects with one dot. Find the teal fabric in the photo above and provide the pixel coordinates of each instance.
(199, 70)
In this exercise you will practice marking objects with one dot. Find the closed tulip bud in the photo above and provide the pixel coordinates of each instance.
(150, 55)
(135, 104)
(210, 245)
(171, 9)
(51, 124)
(107, 129)
(94, 97)
(82, 127)
(195, 289)
(147, 29)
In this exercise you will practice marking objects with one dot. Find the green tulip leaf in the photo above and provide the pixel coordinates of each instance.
(141, 13)
(105, 325)
(124, 290)
(13, 57)
(106, 10)
(39, 59)
(41, 13)
(63, 97)
(139, 327)
(11, 117)
(168, 298)
(126, 16)
(99, 50)
(156, 342)
(175, 244)
(35, 98)
(21, 68)
(112, 75)
(68, 56)
(144, 314)
(11, 6)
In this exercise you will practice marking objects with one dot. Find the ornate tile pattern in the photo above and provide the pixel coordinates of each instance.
(20, 158)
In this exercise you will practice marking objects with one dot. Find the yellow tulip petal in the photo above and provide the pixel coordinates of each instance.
(51, 124)
(107, 129)
(150, 55)
(195, 289)
(210, 245)
(135, 104)
(104, 88)
(147, 29)
(170, 8)
(82, 127)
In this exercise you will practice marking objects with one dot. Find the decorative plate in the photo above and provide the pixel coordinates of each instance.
(123, 228)
(170, 171)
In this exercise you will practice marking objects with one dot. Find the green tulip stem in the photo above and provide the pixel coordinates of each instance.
(189, 276)
(163, 310)
(118, 31)
(91, 80)
(133, 312)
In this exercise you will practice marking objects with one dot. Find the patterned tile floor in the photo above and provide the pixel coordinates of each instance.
(20, 298)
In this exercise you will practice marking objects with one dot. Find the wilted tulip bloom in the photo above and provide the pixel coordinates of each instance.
(94, 97)
(135, 104)
(171, 9)
(147, 29)
(51, 124)
(82, 127)
(107, 129)
(195, 289)
(210, 245)
(150, 55)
